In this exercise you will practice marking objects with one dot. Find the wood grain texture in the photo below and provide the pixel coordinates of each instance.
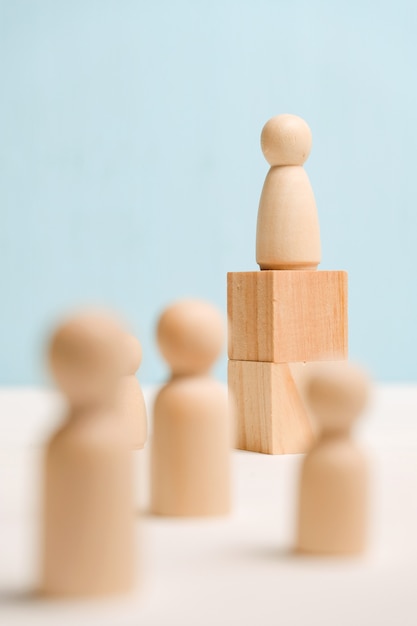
(289, 316)
(270, 415)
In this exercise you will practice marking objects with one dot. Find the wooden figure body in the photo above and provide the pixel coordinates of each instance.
(131, 401)
(88, 522)
(333, 499)
(190, 466)
(288, 233)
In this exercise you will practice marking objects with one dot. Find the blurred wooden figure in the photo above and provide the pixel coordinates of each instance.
(131, 400)
(88, 523)
(333, 499)
(190, 466)
(288, 232)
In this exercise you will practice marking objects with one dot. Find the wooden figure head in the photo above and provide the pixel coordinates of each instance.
(190, 335)
(85, 357)
(337, 393)
(286, 140)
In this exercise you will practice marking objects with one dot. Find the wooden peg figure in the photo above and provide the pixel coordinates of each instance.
(288, 233)
(88, 522)
(333, 498)
(132, 403)
(190, 466)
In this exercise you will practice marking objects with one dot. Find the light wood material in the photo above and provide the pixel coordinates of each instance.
(301, 374)
(270, 415)
(288, 233)
(190, 335)
(191, 449)
(286, 316)
(88, 544)
(190, 466)
(132, 410)
(333, 499)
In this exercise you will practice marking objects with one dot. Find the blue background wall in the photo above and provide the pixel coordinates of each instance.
(130, 167)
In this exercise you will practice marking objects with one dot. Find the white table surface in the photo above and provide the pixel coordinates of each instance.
(236, 570)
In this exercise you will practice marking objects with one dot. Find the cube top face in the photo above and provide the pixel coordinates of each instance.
(285, 316)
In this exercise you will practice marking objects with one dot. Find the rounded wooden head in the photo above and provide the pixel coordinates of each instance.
(337, 394)
(190, 335)
(86, 357)
(286, 140)
(132, 354)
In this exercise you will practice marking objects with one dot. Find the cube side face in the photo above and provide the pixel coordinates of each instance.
(292, 432)
(250, 386)
(270, 415)
(310, 316)
(250, 315)
(288, 316)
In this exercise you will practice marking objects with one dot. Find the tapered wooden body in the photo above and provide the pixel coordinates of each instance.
(333, 501)
(132, 410)
(288, 232)
(277, 318)
(190, 466)
(88, 522)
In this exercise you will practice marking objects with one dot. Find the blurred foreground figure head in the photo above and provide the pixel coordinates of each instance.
(86, 357)
(88, 544)
(333, 499)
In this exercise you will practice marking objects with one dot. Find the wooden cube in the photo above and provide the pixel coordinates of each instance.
(285, 316)
(270, 415)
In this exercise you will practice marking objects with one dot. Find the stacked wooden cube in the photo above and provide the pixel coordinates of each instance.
(288, 312)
